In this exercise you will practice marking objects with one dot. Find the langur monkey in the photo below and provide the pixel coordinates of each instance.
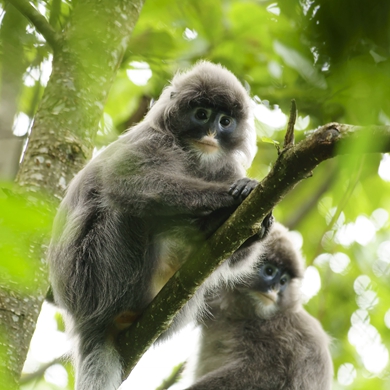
(258, 336)
(133, 215)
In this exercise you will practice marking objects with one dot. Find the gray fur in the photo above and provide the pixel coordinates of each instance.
(244, 346)
(134, 213)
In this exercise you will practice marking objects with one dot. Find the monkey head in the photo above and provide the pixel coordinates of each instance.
(209, 112)
(274, 284)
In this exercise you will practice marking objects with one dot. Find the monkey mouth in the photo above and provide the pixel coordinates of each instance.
(268, 298)
(207, 144)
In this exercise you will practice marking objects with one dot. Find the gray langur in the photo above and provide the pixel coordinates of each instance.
(133, 215)
(258, 336)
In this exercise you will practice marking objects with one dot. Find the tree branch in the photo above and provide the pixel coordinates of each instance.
(25, 378)
(294, 164)
(38, 20)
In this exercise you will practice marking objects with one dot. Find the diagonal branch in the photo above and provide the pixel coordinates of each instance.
(294, 164)
(38, 20)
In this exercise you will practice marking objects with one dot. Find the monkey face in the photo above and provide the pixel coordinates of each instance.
(210, 115)
(271, 289)
(209, 130)
(216, 121)
(272, 282)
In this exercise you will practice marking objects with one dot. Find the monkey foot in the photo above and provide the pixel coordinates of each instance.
(266, 225)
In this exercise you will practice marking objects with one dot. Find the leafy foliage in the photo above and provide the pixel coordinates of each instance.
(23, 221)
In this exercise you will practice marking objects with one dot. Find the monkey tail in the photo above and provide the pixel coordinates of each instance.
(98, 369)
(98, 364)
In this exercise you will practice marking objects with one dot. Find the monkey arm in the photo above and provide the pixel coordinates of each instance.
(151, 177)
(166, 194)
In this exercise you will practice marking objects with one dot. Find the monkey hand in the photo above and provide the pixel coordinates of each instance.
(266, 225)
(241, 188)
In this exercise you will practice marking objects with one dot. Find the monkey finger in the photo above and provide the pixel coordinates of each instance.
(245, 192)
(232, 188)
(237, 188)
(249, 187)
(236, 193)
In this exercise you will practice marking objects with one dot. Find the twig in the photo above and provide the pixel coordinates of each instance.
(38, 20)
(41, 370)
(173, 377)
(289, 137)
(293, 165)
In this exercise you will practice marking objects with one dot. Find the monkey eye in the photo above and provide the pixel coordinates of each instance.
(269, 271)
(201, 114)
(284, 281)
(225, 121)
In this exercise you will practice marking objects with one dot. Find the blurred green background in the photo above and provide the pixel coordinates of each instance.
(332, 56)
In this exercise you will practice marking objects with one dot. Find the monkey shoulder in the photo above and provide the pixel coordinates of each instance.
(139, 151)
(296, 330)
(302, 347)
(311, 329)
(285, 335)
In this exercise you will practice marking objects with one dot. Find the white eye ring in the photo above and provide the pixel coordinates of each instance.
(224, 119)
(269, 271)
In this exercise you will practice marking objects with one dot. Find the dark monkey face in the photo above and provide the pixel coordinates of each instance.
(274, 286)
(209, 130)
(209, 113)
(272, 289)
(270, 283)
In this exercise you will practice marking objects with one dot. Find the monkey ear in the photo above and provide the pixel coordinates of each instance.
(173, 94)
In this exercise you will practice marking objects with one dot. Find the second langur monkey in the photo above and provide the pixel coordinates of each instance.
(258, 336)
(133, 215)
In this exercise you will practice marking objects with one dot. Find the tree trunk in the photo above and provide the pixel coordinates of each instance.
(87, 54)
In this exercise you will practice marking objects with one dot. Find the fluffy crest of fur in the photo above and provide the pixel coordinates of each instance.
(212, 85)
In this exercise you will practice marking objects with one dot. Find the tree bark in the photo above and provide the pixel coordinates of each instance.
(13, 66)
(86, 57)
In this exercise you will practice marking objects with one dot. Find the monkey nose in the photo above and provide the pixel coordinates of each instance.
(212, 133)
